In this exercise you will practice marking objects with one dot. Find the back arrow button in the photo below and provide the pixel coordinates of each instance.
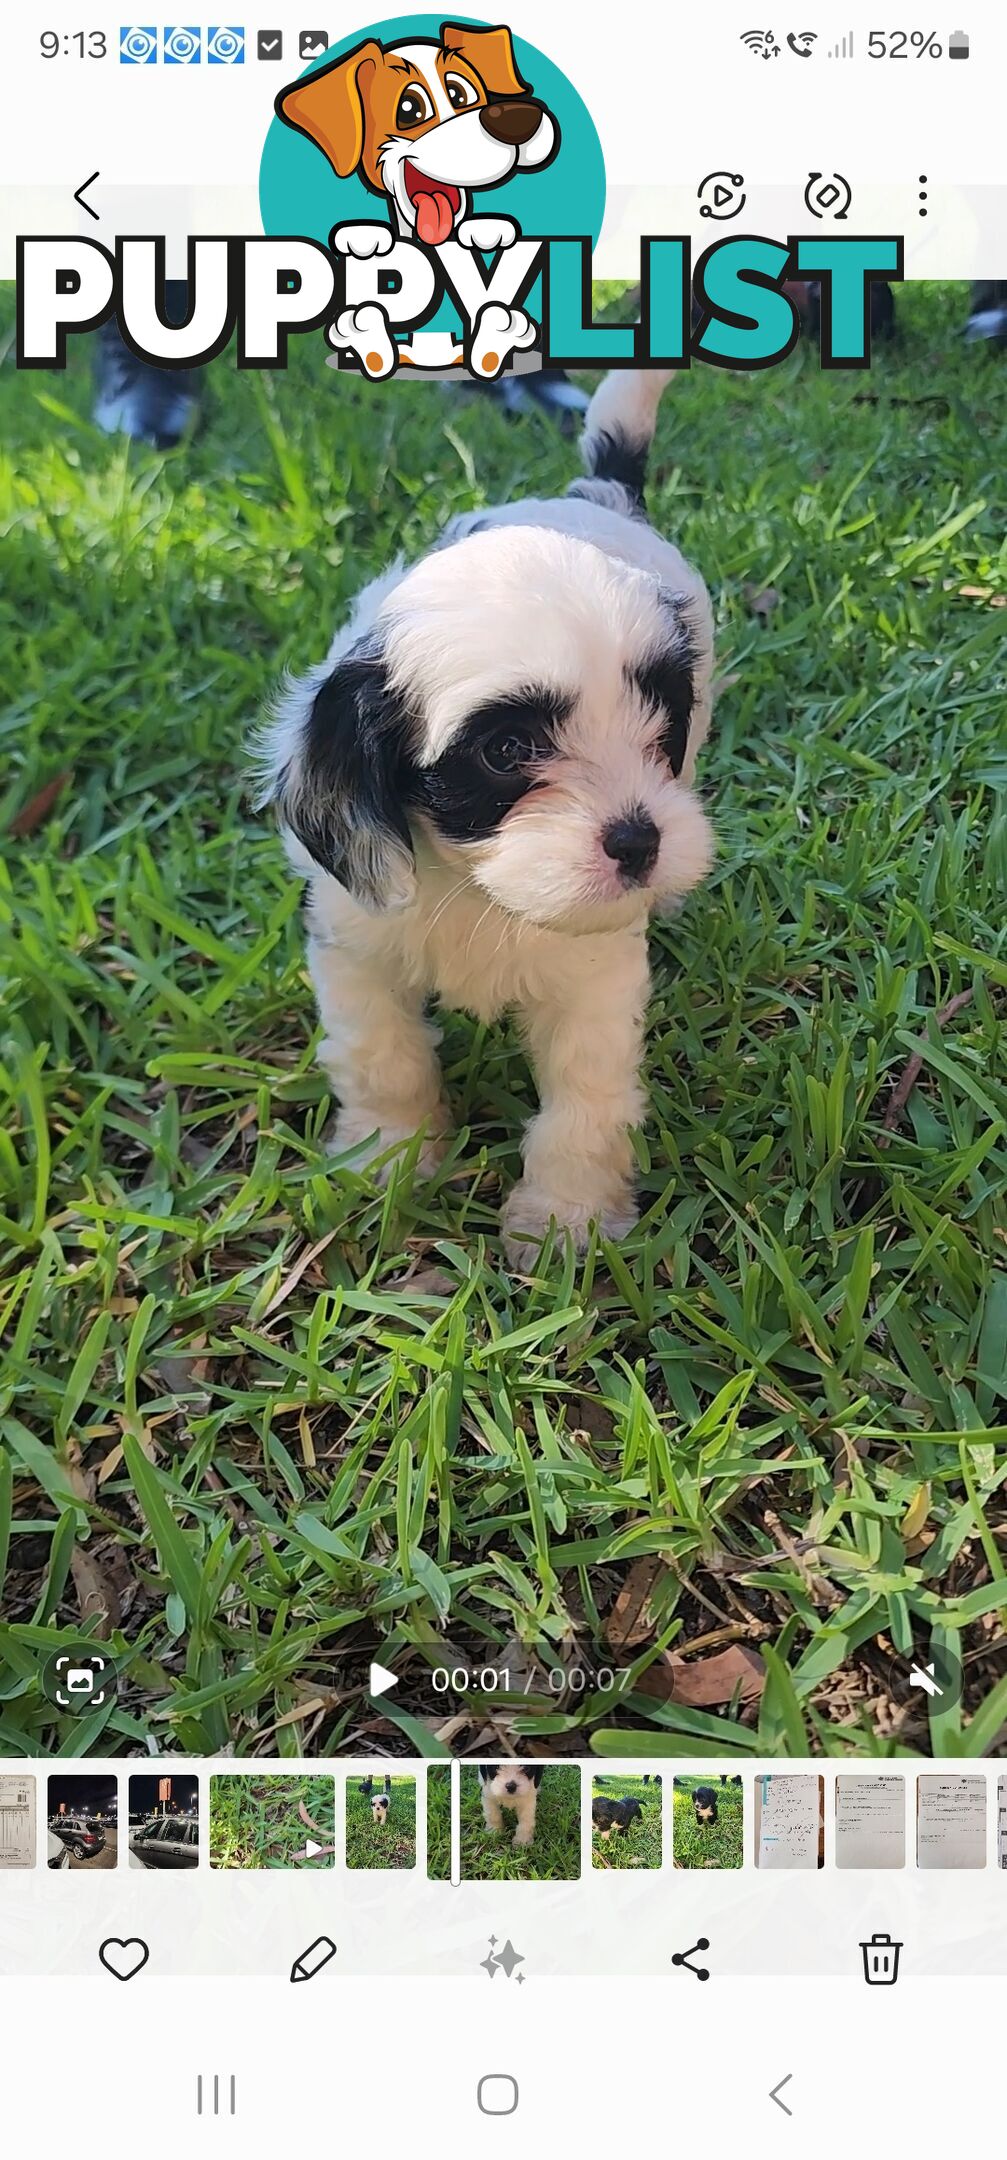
(777, 2089)
(79, 194)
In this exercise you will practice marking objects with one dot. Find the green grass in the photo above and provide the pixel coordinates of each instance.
(553, 1855)
(367, 1845)
(641, 1847)
(259, 1423)
(255, 1821)
(707, 1845)
(439, 1823)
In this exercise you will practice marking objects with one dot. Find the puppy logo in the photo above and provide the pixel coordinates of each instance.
(425, 124)
(446, 131)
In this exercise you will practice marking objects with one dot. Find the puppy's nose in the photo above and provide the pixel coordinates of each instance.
(633, 843)
(512, 1787)
(514, 123)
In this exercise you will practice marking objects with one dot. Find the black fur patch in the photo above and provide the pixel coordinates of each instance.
(666, 680)
(614, 457)
(344, 799)
(460, 794)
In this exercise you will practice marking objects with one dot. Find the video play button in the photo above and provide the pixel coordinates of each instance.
(381, 1680)
(721, 195)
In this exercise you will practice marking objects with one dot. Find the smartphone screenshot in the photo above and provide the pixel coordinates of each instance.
(503, 1095)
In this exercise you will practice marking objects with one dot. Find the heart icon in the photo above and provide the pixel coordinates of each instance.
(124, 1959)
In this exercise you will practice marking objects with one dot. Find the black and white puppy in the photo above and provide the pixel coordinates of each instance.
(488, 786)
(513, 1786)
(704, 1801)
(608, 1815)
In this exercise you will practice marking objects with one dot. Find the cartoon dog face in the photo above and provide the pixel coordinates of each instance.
(425, 123)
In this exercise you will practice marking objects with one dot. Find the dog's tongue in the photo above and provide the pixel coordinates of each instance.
(433, 217)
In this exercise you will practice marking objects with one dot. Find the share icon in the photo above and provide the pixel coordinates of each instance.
(681, 1957)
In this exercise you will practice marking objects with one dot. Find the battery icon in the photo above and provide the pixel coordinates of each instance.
(958, 45)
(881, 1961)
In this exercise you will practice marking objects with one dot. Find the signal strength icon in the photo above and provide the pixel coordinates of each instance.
(844, 49)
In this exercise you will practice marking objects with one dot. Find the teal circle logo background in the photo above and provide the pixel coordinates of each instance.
(300, 194)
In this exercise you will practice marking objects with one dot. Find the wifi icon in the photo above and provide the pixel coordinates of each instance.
(801, 42)
(762, 43)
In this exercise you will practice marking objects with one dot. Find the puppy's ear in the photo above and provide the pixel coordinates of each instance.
(533, 1771)
(339, 794)
(485, 1772)
(490, 53)
(329, 107)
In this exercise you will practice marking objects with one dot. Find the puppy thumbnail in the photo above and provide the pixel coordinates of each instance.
(513, 1786)
(488, 785)
(519, 1822)
(381, 1824)
(707, 1823)
(609, 1815)
(626, 1822)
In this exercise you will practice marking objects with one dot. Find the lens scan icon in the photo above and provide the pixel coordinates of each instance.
(181, 45)
(81, 1679)
(138, 46)
(225, 45)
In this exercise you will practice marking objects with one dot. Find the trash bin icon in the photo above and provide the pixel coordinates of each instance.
(881, 1961)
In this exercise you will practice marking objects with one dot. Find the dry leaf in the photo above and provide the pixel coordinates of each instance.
(95, 1594)
(631, 1621)
(34, 813)
(424, 1282)
(307, 1443)
(916, 1513)
(291, 1280)
(701, 1683)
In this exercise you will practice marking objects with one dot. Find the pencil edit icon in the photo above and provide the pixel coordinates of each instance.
(313, 1958)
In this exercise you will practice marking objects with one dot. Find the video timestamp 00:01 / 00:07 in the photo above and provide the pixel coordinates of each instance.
(494, 1680)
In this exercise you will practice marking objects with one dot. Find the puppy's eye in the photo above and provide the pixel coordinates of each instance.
(413, 107)
(461, 93)
(510, 752)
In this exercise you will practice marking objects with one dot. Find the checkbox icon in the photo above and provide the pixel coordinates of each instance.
(269, 45)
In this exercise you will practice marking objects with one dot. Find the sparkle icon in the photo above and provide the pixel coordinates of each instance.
(506, 1961)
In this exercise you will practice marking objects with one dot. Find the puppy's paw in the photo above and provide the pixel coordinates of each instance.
(362, 241)
(523, 1837)
(364, 331)
(529, 1213)
(498, 332)
(355, 1131)
(487, 233)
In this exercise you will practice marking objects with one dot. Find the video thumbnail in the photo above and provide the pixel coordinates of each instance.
(83, 1821)
(17, 1821)
(272, 1821)
(381, 1821)
(708, 1822)
(163, 1821)
(626, 1821)
(520, 1822)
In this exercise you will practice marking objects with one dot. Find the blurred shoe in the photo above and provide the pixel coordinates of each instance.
(546, 390)
(156, 405)
(988, 316)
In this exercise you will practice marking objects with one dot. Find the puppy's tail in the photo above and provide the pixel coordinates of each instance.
(618, 431)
